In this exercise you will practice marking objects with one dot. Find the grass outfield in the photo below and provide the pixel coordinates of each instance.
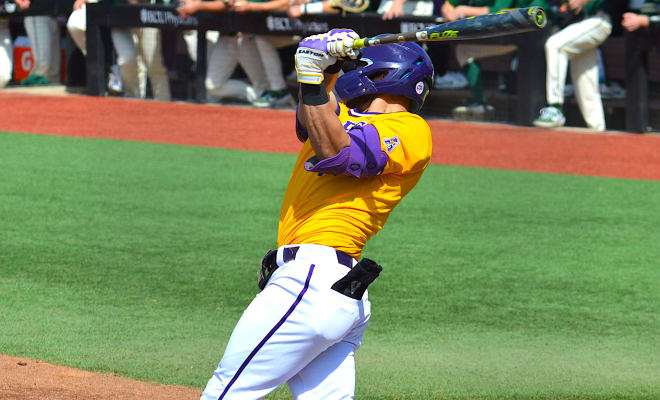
(139, 258)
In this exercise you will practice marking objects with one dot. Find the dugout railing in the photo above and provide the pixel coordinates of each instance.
(530, 94)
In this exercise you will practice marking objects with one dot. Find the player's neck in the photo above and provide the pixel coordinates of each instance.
(386, 103)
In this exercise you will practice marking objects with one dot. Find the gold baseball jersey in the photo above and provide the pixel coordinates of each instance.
(341, 210)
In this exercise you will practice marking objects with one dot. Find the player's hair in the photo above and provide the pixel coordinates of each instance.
(401, 69)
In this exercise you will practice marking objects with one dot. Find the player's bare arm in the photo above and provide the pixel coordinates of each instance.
(632, 22)
(326, 133)
(470, 11)
(190, 7)
(23, 4)
(266, 6)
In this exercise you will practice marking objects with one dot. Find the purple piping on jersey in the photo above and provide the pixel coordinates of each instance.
(355, 113)
(270, 334)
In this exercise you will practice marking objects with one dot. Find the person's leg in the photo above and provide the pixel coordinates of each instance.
(250, 60)
(6, 53)
(77, 26)
(44, 40)
(150, 44)
(331, 376)
(272, 63)
(277, 95)
(288, 325)
(473, 73)
(221, 65)
(556, 66)
(122, 39)
(584, 73)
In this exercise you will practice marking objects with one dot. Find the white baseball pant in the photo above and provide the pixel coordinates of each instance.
(149, 46)
(44, 37)
(226, 54)
(297, 330)
(190, 38)
(77, 27)
(578, 43)
(6, 53)
(466, 53)
(272, 62)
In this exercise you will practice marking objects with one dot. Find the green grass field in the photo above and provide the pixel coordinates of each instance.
(139, 258)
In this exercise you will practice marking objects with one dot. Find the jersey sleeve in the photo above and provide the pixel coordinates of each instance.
(406, 139)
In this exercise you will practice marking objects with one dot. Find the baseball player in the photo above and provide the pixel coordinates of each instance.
(277, 95)
(44, 38)
(76, 24)
(577, 42)
(225, 54)
(44, 35)
(6, 53)
(468, 55)
(147, 42)
(131, 45)
(360, 156)
(6, 47)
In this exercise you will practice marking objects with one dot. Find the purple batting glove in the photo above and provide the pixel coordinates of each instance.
(316, 42)
(340, 43)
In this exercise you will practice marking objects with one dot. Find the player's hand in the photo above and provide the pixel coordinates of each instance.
(23, 4)
(78, 3)
(631, 21)
(242, 6)
(576, 6)
(449, 12)
(340, 43)
(312, 59)
(294, 11)
(188, 8)
(395, 11)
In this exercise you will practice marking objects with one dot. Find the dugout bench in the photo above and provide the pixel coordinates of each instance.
(101, 17)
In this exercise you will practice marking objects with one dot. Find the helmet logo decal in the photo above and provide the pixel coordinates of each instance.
(419, 88)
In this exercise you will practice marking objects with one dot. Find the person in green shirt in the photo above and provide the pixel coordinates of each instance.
(468, 55)
(578, 43)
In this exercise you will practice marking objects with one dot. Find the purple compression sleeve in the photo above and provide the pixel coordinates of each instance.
(361, 159)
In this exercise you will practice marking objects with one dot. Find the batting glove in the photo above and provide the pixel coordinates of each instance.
(340, 43)
(312, 59)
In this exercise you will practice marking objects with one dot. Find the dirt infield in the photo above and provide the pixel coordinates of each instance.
(455, 143)
(22, 378)
(467, 144)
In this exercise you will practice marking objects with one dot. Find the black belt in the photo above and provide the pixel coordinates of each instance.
(289, 253)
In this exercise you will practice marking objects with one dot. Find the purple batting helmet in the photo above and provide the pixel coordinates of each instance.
(408, 72)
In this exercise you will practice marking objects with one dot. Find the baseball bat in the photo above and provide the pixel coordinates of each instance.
(500, 23)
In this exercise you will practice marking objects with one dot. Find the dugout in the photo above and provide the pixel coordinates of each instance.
(517, 95)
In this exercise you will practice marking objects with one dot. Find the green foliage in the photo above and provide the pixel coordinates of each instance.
(140, 258)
